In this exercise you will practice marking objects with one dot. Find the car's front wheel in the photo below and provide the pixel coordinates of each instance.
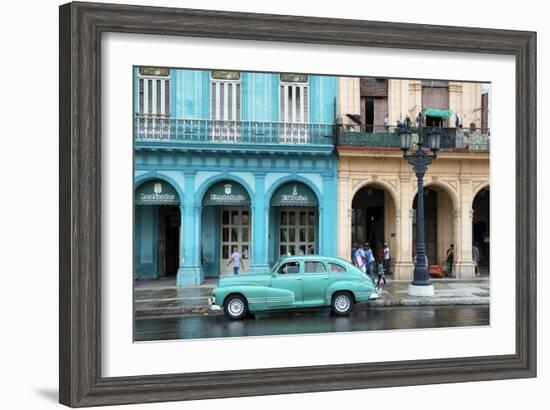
(235, 307)
(342, 303)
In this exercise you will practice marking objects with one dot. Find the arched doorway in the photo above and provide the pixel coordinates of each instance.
(157, 224)
(481, 229)
(373, 219)
(293, 221)
(225, 227)
(439, 233)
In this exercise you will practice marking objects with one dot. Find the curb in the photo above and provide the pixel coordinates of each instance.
(156, 313)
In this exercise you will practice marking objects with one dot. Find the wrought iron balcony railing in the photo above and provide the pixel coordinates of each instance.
(471, 139)
(239, 132)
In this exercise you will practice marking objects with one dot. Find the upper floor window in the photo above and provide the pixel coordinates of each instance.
(225, 95)
(154, 91)
(294, 98)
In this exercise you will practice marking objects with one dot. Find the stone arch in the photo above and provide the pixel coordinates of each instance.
(373, 217)
(377, 183)
(444, 187)
(217, 178)
(479, 188)
(440, 226)
(291, 178)
(152, 176)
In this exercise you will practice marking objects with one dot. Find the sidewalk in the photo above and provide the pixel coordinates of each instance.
(161, 298)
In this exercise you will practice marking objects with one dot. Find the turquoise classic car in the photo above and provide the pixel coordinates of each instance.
(295, 282)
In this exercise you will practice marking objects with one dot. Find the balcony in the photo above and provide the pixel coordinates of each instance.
(463, 139)
(216, 135)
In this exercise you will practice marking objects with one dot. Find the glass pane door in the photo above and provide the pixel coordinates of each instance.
(298, 228)
(235, 235)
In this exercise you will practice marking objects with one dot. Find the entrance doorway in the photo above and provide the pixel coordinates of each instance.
(235, 235)
(169, 240)
(226, 224)
(438, 225)
(430, 225)
(367, 220)
(373, 220)
(481, 229)
(293, 221)
(157, 225)
(297, 227)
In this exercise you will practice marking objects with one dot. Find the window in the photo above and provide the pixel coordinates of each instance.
(314, 267)
(226, 95)
(225, 105)
(294, 98)
(154, 91)
(335, 268)
(289, 268)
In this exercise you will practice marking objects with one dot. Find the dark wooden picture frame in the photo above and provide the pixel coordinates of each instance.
(81, 27)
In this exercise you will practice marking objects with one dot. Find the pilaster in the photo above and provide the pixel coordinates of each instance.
(190, 271)
(404, 214)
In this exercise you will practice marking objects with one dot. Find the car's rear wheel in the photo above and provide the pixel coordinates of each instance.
(342, 303)
(235, 307)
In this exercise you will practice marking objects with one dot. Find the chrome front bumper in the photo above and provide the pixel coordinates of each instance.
(374, 295)
(212, 304)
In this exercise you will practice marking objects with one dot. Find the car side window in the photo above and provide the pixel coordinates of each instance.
(314, 267)
(290, 268)
(335, 268)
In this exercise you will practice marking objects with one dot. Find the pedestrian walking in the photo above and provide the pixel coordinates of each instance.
(237, 261)
(380, 274)
(475, 258)
(450, 260)
(360, 258)
(387, 258)
(369, 260)
(353, 252)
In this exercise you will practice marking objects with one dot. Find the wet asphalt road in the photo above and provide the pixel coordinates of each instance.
(314, 321)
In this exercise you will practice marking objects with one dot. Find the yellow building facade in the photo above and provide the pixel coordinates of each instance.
(377, 187)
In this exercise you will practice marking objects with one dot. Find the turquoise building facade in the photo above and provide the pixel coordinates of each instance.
(229, 161)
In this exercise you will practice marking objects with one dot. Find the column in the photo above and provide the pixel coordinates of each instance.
(464, 266)
(260, 222)
(190, 271)
(344, 216)
(404, 267)
(328, 214)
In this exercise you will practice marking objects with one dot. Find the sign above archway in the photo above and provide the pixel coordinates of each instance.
(294, 194)
(156, 192)
(226, 193)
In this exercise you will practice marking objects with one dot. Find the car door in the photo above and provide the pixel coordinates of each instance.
(315, 281)
(287, 278)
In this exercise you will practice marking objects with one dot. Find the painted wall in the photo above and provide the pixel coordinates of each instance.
(210, 240)
(261, 175)
(190, 96)
(146, 242)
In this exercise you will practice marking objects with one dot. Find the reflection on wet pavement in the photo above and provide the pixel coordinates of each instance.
(315, 321)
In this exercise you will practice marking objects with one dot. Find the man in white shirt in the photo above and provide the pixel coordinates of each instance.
(237, 261)
(386, 258)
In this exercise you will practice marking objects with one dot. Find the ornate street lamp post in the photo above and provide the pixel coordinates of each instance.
(420, 158)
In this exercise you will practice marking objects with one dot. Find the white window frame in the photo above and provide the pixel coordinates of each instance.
(226, 117)
(300, 115)
(294, 114)
(153, 109)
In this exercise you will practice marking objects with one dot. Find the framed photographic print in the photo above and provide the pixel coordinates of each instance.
(258, 204)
